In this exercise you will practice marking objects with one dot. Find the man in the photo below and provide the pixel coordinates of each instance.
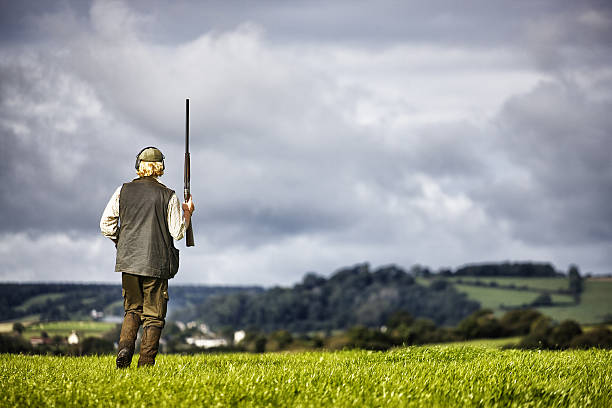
(142, 218)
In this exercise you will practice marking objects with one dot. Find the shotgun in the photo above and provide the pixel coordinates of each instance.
(189, 234)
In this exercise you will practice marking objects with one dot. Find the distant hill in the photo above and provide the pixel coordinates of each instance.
(501, 294)
(75, 301)
(351, 296)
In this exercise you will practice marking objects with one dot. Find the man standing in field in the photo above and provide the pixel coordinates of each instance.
(142, 218)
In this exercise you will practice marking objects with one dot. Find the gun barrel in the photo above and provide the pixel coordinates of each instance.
(189, 233)
(187, 172)
(186, 125)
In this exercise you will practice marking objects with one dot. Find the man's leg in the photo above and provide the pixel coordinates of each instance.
(132, 305)
(155, 301)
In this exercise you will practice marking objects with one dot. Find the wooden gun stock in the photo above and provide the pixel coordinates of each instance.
(189, 236)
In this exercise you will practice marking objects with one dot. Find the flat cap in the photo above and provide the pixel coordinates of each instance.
(151, 154)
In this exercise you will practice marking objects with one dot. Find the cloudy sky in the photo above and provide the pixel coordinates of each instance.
(323, 133)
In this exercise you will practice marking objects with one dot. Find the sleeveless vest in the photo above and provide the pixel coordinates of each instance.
(145, 246)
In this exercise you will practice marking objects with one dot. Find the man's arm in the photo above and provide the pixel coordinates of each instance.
(178, 224)
(109, 223)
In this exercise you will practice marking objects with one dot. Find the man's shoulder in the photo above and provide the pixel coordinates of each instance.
(151, 181)
(171, 191)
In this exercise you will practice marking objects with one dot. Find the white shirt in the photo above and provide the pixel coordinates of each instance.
(109, 223)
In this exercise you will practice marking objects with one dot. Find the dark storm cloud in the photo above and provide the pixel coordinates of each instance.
(559, 138)
(323, 133)
(54, 161)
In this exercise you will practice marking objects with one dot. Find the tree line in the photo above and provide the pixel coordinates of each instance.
(74, 301)
(351, 296)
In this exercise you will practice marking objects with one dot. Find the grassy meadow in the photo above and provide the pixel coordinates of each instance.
(594, 307)
(595, 304)
(64, 328)
(61, 328)
(432, 376)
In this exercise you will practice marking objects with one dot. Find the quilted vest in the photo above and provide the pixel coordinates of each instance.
(145, 246)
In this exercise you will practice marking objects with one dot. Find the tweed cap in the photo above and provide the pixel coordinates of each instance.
(151, 154)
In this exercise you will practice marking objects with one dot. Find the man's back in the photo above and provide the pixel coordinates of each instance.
(145, 246)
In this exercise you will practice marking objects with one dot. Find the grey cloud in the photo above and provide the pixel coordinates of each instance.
(289, 174)
(469, 23)
(54, 155)
(559, 140)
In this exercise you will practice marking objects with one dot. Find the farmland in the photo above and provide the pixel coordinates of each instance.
(415, 376)
(595, 301)
(64, 328)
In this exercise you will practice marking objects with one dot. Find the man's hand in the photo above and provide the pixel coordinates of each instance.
(188, 209)
(188, 206)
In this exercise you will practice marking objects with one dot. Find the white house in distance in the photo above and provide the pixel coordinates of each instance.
(73, 338)
(239, 336)
(205, 343)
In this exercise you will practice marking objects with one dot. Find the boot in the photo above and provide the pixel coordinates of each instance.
(149, 345)
(127, 339)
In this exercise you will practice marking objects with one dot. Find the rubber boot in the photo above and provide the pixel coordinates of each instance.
(149, 345)
(127, 339)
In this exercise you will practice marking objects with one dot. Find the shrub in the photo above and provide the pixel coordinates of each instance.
(543, 299)
(480, 324)
(398, 318)
(518, 322)
(600, 337)
(14, 344)
(97, 346)
(561, 335)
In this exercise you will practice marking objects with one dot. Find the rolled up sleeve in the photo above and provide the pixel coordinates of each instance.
(109, 223)
(176, 221)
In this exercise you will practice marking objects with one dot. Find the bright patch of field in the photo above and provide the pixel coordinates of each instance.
(595, 304)
(557, 298)
(7, 326)
(39, 300)
(64, 328)
(494, 298)
(437, 376)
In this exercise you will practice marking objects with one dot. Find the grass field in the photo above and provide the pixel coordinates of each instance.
(39, 300)
(436, 376)
(64, 328)
(594, 306)
(494, 298)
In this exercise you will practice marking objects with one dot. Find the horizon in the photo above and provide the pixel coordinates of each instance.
(407, 270)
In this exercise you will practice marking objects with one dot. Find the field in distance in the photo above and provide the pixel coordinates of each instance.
(61, 328)
(406, 377)
(493, 293)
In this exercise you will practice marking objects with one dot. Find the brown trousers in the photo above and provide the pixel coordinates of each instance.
(147, 297)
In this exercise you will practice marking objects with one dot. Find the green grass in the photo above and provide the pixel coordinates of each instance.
(7, 326)
(39, 300)
(487, 343)
(493, 298)
(595, 304)
(438, 376)
(64, 328)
